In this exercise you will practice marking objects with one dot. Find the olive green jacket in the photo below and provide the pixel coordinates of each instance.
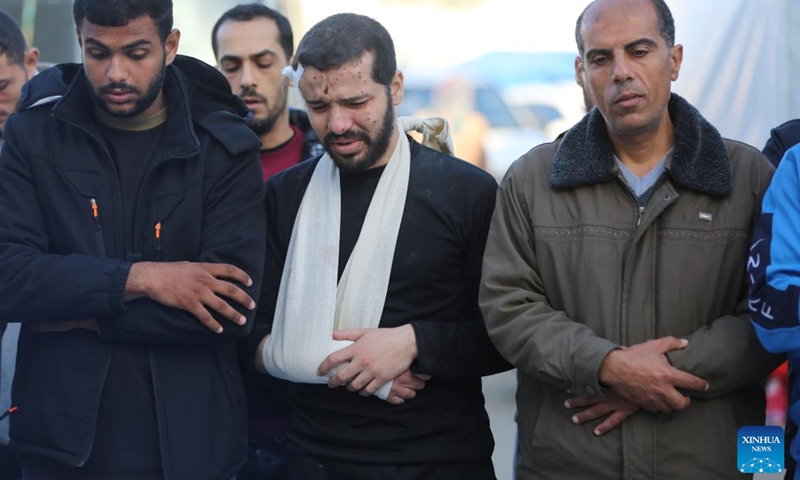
(574, 269)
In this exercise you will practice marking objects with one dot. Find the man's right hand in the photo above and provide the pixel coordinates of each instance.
(193, 287)
(642, 375)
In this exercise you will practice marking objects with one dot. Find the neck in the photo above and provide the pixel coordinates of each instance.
(132, 124)
(390, 149)
(641, 152)
(280, 133)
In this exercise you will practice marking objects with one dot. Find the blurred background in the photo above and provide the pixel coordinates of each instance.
(502, 73)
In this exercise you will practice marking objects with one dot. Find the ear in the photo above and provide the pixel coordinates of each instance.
(579, 71)
(31, 60)
(397, 88)
(676, 58)
(80, 39)
(171, 45)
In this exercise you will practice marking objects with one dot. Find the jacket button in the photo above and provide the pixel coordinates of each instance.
(667, 197)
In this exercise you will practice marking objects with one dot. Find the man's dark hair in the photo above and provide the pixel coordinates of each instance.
(345, 37)
(12, 42)
(117, 13)
(250, 11)
(666, 24)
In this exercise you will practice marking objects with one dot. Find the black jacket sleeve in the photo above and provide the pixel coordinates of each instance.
(275, 257)
(37, 286)
(462, 348)
(233, 233)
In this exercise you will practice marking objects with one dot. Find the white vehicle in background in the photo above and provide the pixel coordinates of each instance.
(552, 107)
(506, 138)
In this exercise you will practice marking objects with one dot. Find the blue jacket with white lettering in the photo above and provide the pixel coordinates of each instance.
(774, 274)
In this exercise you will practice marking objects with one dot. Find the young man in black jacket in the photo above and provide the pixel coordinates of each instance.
(131, 249)
(398, 230)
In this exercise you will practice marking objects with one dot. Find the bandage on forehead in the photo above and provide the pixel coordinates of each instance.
(294, 75)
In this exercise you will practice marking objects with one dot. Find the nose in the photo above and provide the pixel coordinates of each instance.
(622, 69)
(340, 120)
(248, 79)
(117, 69)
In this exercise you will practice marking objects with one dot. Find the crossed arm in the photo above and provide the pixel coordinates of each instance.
(658, 376)
(141, 302)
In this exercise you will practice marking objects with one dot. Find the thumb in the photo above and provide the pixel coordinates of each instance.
(667, 344)
(352, 334)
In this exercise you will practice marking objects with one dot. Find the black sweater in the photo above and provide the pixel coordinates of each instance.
(434, 287)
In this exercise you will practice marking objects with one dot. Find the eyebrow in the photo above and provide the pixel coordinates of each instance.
(255, 56)
(137, 43)
(628, 46)
(356, 99)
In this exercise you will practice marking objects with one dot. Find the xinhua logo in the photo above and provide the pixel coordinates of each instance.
(760, 450)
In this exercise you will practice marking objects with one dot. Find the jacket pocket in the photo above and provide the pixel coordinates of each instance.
(85, 184)
(98, 228)
(160, 225)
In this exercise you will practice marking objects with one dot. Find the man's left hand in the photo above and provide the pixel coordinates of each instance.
(377, 356)
(613, 405)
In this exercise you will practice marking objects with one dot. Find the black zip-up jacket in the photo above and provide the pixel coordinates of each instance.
(311, 143)
(781, 138)
(63, 260)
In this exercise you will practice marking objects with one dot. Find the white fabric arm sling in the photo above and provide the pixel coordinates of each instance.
(310, 305)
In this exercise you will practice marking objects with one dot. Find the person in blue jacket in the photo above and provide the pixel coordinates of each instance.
(774, 275)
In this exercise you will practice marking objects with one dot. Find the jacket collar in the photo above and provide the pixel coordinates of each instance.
(197, 96)
(699, 158)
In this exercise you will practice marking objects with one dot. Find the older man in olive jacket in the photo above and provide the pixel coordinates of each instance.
(614, 274)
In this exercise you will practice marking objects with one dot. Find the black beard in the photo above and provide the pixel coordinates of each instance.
(142, 104)
(375, 149)
(262, 126)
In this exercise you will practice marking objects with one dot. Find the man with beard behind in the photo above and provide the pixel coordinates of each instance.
(409, 224)
(252, 44)
(131, 250)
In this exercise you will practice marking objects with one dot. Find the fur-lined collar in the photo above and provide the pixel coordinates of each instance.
(699, 159)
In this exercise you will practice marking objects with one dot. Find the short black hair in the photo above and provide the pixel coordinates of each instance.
(344, 38)
(666, 24)
(248, 11)
(117, 13)
(12, 42)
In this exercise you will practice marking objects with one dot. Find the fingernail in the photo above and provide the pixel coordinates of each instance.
(566, 404)
(707, 387)
(252, 305)
(242, 320)
(684, 342)
(249, 282)
(597, 432)
(575, 420)
(219, 329)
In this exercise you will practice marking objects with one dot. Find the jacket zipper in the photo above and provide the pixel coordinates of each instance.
(158, 237)
(98, 229)
(641, 214)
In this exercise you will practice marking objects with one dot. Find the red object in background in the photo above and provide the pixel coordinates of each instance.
(777, 395)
